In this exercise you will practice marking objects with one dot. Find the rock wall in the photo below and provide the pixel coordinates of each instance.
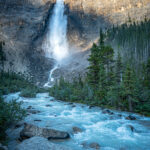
(23, 24)
(90, 15)
(22, 27)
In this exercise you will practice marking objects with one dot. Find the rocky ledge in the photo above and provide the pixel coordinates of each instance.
(51, 134)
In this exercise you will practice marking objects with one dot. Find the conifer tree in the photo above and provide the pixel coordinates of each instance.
(102, 88)
(129, 85)
(2, 55)
(147, 74)
(118, 69)
(101, 38)
(117, 88)
(93, 69)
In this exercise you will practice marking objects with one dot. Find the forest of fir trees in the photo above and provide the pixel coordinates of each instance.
(110, 82)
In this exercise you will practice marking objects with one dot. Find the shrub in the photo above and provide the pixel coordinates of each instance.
(9, 113)
(12, 82)
(28, 92)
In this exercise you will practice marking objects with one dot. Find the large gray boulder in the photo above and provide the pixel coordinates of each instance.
(3, 147)
(32, 130)
(39, 143)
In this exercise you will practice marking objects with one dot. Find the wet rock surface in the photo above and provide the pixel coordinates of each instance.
(32, 111)
(2, 147)
(95, 146)
(131, 128)
(130, 117)
(76, 130)
(32, 130)
(40, 143)
(22, 27)
(107, 111)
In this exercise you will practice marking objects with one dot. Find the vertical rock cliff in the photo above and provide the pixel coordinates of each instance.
(22, 28)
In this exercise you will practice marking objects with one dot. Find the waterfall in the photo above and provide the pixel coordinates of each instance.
(51, 79)
(55, 45)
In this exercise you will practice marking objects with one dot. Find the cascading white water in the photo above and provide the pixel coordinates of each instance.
(51, 79)
(56, 45)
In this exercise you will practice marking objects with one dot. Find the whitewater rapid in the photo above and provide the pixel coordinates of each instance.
(110, 131)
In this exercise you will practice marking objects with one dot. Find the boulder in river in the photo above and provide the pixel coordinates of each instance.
(31, 111)
(76, 130)
(32, 130)
(70, 103)
(30, 107)
(19, 124)
(107, 111)
(91, 106)
(130, 117)
(95, 146)
(119, 115)
(48, 105)
(131, 128)
(40, 143)
(38, 120)
(3, 147)
(73, 105)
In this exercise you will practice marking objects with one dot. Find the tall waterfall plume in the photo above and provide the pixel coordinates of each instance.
(56, 45)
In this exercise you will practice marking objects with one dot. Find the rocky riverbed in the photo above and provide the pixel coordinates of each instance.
(57, 125)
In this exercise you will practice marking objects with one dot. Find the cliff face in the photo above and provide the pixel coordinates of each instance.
(23, 25)
(90, 15)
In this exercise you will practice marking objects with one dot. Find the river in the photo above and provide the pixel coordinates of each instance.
(110, 131)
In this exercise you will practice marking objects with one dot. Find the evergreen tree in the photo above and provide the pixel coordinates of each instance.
(129, 85)
(118, 69)
(93, 69)
(2, 55)
(147, 74)
(118, 88)
(102, 88)
(101, 39)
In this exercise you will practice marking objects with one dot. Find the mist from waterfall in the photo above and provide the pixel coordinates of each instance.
(56, 45)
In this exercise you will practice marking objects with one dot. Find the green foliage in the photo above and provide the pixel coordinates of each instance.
(12, 82)
(9, 113)
(109, 83)
(133, 39)
(2, 55)
(129, 80)
(118, 69)
(101, 39)
(77, 91)
(12, 112)
(147, 74)
(93, 73)
(29, 92)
